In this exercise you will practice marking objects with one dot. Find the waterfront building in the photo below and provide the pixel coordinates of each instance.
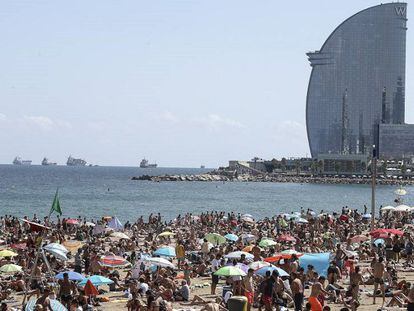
(343, 164)
(358, 82)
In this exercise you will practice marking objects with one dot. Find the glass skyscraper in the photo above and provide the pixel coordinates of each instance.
(358, 81)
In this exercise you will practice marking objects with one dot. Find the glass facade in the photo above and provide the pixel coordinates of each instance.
(357, 81)
(396, 141)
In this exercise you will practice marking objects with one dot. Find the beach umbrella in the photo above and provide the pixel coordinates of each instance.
(286, 238)
(10, 268)
(239, 265)
(248, 219)
(249, 248)
(167, 251)
(161, 262)
(115, 224)
(231, 237)
(259, 264)
(7, 253)
(402, 208)
(114, 261)
(379, 241)
(388, 208)
(229, 271)
(96, 280)
(262, 271)
(119, 235)
(89, 224)
(290, 216)
(166, 233)
(267, 243)
(34, 226)
(344, 217)
(238, 254)
(72, 221)
(359, 239)
(366, 216)
(383, 233)
(72, 245)
(73, 276)
(247, 215)
(18, 246)
(215, 238)
(55, 247)
(54, 304)
(301, 220)
(58, 254)
(400, 191)
(89, 289)
(248, 237)
(291, 252)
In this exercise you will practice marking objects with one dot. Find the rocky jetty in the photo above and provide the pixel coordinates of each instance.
(212, 177)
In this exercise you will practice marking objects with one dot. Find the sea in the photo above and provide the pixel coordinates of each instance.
(93, 192)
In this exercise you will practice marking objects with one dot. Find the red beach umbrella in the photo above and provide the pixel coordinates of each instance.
(383, 233)
(72, 221)
(35, 226)
(18, 246)
(90, 290)
(114, 261)
(286, 238)
(359, 239)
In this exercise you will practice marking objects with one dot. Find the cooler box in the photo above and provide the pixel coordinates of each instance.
(237, 303)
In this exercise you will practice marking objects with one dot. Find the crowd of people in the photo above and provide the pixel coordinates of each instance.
(266, 257)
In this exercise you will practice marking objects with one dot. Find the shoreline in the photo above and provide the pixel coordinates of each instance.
(209, 177)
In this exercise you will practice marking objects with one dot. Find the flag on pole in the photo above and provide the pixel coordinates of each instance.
(56, 205)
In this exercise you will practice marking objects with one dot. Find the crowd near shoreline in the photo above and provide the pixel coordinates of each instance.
(212, 261)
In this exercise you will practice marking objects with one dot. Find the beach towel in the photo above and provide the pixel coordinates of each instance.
(320, 261)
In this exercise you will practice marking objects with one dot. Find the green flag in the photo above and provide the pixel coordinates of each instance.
(56, 205)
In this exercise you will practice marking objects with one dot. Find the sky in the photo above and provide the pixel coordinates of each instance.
(182, 83)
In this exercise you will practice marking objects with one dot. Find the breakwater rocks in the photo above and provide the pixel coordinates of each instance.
(271, 178)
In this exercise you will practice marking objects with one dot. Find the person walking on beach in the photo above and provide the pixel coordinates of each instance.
(248, 288)
(316, 290)
(215, 265)
(378, 269)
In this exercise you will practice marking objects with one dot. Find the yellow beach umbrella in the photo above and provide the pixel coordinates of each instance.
(166, 233)
(7, 253)
(72, 245)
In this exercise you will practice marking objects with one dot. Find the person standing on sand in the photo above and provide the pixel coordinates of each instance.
(378, 270)
(248, 288)
(180, 252)
(316, 290)
(215, 265)
(297, 291)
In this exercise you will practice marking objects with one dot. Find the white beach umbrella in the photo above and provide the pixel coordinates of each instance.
(56, 247)
(388, 208)
(238, 254)
(161, 262)
(402, 208)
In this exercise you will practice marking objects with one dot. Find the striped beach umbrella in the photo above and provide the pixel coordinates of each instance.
(114, 261)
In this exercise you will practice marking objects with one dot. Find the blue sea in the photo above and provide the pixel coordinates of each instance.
(98, 191)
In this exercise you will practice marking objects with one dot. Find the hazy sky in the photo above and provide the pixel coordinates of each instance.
(182, 83)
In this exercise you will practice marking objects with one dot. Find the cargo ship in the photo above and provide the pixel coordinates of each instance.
(19, 161)
(144, 164)
(75, 162)
(46, 161)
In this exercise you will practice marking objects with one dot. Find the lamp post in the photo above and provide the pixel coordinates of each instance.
(374, 176)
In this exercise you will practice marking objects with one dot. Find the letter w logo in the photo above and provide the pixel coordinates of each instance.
(400, 10)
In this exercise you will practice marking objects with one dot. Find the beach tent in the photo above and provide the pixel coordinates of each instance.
(320, 261)
(115, 224)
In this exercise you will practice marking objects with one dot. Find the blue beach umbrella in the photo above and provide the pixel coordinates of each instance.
(73, 276)
(262, 271)
(96, 280)
(231, 237)
(165, 252)
(56, 305)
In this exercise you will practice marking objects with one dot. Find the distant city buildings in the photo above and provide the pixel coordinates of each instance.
(356, 92)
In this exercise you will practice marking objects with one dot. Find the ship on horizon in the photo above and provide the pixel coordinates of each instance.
(144, 164)
(75, 162)
(46, 162)
(19, 161)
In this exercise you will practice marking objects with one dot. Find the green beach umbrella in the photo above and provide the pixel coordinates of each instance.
(267, 243)
(10, 268)
(215, 238)
(229, 271)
